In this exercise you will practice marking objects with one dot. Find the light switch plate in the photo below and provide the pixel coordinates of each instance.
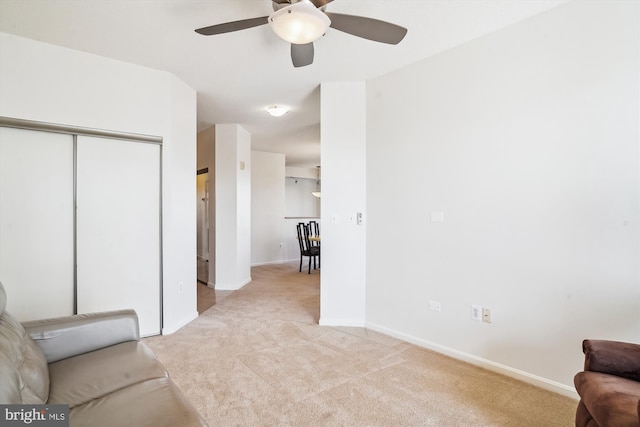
(476, 312)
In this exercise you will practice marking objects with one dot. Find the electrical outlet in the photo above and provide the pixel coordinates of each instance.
(180, 286)
(486, 315)
(435, 305)
(476, 312)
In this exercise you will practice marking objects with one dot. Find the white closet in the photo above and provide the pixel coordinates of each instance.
(36, 222)
(105, 254)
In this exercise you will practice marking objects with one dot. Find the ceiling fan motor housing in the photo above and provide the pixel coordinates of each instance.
(279, 4)
(299, 23)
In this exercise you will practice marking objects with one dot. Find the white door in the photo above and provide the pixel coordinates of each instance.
(118, 228)
(36, 222)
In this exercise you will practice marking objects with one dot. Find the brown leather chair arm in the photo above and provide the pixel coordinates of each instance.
(612, 357)
(63, 337)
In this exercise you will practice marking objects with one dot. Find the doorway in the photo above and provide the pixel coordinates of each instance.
(202, 203)
(206, 295)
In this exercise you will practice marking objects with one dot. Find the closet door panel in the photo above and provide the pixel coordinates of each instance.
(118, 228)
(36, 222)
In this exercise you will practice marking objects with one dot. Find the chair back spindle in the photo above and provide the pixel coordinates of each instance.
(306, 248)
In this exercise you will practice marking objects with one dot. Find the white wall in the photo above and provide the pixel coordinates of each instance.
(179, 208)
(205, 149)
(527, 141)
(47, 83)
(343, 149)
(232, 206)
(299, 200)
(301, 172)
(267, 208)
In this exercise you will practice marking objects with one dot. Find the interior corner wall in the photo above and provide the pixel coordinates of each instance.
(343, 151)
(505, 173)
(205, 150)
(268, 235)
(179, 209)
(232, 206)
(47, 83)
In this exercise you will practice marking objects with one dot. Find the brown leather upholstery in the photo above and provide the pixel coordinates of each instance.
(609, 387)
(94, 363)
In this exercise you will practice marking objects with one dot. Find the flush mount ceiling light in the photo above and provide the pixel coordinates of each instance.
(300, 23)
(277, 110)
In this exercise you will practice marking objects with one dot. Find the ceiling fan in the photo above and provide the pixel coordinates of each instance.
(301, 22)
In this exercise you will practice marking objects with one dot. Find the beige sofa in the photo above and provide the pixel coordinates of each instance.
(96, 364)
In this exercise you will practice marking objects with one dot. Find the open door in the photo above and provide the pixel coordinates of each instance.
(202, 203)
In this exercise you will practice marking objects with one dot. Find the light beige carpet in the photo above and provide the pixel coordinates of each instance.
(259, 358)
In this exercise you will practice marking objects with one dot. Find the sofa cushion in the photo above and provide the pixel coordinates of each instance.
(612, 357)
(153, 403)
(80, 379)
(611, 400)
(25, 377)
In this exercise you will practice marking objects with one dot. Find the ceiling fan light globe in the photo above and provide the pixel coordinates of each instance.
(300, 23)
(277, 110)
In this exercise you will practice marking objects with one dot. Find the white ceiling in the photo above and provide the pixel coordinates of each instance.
(237, 74)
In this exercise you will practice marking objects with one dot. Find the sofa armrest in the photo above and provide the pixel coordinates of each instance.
(617, 358)
(63, 337)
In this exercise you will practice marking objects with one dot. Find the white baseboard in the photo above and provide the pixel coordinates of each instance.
(508, 371)
(357, 323)
(185, 322)
(230, 286)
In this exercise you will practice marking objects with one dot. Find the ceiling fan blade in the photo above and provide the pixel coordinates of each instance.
(228, 27)
(367, 28)
(302, 54)
(320, 3)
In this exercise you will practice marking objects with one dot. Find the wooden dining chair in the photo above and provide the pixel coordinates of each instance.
(314, 231)
(314, 228)
(306, 250)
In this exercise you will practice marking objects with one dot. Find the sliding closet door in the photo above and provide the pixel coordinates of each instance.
(36, 222)
(118, 228)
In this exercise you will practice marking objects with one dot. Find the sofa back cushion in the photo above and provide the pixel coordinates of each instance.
(23, 367)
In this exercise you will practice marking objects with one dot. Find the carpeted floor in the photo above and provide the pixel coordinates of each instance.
(259, 358)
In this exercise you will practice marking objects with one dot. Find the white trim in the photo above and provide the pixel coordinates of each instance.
(185, 322)
(358, 323)
(527, 377)
(232, 287)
